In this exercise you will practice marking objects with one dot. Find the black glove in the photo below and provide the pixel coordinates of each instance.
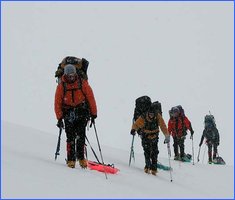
(217, 143)
(132, 131)
(93, 117)
(192, 132)
(167, 139)
(60, 123)
(200, 144)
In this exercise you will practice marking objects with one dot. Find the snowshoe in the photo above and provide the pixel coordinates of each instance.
(186, 158)
(106, 168)
(218, 161)
(163, 167)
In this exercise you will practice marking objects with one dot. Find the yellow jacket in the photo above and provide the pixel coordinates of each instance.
(141, 122)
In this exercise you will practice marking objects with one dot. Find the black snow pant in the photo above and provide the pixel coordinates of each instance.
(150, 147)
(178, 144)
(75, 127)
(211, 145)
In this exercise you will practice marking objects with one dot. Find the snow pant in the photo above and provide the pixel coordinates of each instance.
(178, 144)
(211, 145)
(75, 127)
(150, 147)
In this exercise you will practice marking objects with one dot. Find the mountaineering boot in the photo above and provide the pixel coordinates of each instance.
(176, 158)
(146, 170)
(83, 163)
(71, 164)
(154, 172)
(210, 158)
(214, 156)
(210, 161)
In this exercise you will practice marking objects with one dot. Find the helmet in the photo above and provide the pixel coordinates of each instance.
(70, 73)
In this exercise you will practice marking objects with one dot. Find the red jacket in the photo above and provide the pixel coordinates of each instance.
(176, 125)
(74, 97)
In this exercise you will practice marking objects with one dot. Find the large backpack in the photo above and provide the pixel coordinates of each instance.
(81, 66)
(209, 121)
(142, 104)
(181, 110)
(157, 107)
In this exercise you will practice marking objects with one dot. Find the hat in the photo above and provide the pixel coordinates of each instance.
(69, 69)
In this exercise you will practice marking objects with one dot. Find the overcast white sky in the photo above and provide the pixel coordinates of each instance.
(175, 52)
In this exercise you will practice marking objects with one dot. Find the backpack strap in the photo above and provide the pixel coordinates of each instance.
(79, 86)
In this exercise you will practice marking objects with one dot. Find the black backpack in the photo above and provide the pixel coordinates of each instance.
(209, 121)
(181, 110)
(142, 104)
(157, 107)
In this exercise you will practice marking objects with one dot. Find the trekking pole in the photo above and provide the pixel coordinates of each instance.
(204, 154)
(198, 154)
(93, 151)
(132, 155)
(58, 144)
(169, 155)
(100, 150)
(192, 150)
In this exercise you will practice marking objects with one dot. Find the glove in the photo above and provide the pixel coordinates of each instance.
(60, 123)
(132, 131)
(217, 143)
(200, 144)
(167, 139)
(192, 132)
(93, 117)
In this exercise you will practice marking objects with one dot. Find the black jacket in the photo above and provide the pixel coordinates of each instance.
(211, 135)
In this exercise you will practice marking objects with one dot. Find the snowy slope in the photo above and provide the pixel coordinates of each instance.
(30, 171)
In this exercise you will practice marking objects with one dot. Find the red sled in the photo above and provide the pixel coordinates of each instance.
(110, 169)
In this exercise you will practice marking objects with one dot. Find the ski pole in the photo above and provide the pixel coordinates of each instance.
(58, 144)
(169, 155)
(93, 151)
(204, 154)
(100, 149)
(198, 154)
(192, 149)
(132, 155)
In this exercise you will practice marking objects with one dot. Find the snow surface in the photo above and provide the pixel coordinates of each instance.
(175, 52)
(30, 171)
